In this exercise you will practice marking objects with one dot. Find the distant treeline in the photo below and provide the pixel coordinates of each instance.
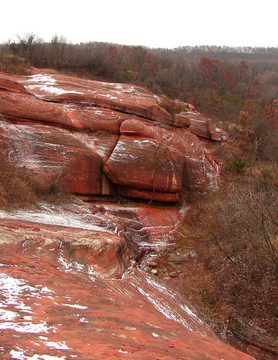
(229, 84)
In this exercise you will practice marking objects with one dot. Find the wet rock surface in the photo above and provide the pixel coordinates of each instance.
(97, 251)
(102, 237)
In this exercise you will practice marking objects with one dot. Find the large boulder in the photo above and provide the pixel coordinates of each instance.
(155, 163)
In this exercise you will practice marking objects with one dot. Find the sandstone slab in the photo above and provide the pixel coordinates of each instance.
(127, 98)
(47, 312)
(85, 243)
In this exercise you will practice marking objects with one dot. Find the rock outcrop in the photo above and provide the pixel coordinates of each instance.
(104, 139)
(98, 251)
(67, 288)
(49, 312)
(102, 237)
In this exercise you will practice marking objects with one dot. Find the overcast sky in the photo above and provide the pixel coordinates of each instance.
(151, 23)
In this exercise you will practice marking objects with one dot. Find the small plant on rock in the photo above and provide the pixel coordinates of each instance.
(237, 166)
(174, 108)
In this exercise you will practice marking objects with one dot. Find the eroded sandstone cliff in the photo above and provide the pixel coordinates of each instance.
(104, 139)
(68, 289)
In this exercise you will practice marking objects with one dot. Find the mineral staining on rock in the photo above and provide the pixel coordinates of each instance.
(49, 313)
(67, 289)
(102, 138)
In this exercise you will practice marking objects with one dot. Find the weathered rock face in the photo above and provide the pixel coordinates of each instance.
(104, 139)
(96, 250)
(66, 286)
(53, 152)
(105, 235)
(50, 312)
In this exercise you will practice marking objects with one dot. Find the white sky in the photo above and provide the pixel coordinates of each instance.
(151, 23)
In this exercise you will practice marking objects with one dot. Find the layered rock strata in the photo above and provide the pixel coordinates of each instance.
(66, 286)
(49, 312)
(104, 138)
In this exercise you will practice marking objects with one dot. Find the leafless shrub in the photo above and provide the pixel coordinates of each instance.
(235, 275)
(13, 64)
(19, 188)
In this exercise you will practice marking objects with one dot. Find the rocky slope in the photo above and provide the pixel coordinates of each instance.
(49, 313)
(70, 287)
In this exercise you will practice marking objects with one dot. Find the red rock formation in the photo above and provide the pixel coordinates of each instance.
(145, 164)
(59, 296)
(72, 128)
(145, 226)
(54, 153)
(128, 98)
(152, 162)
(93, 118)
(203, 127)
(23, 106)
(154, 195)
(50, 313)
(97, 251)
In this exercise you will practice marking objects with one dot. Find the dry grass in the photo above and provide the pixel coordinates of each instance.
(235, 272)
(13, 64)
(19, 188)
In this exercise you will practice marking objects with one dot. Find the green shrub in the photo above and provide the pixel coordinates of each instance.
(174, 108)
(237, 166)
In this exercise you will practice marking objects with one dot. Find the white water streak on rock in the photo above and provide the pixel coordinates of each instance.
(58, 218)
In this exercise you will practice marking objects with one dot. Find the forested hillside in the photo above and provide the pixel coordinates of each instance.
(227, 77)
